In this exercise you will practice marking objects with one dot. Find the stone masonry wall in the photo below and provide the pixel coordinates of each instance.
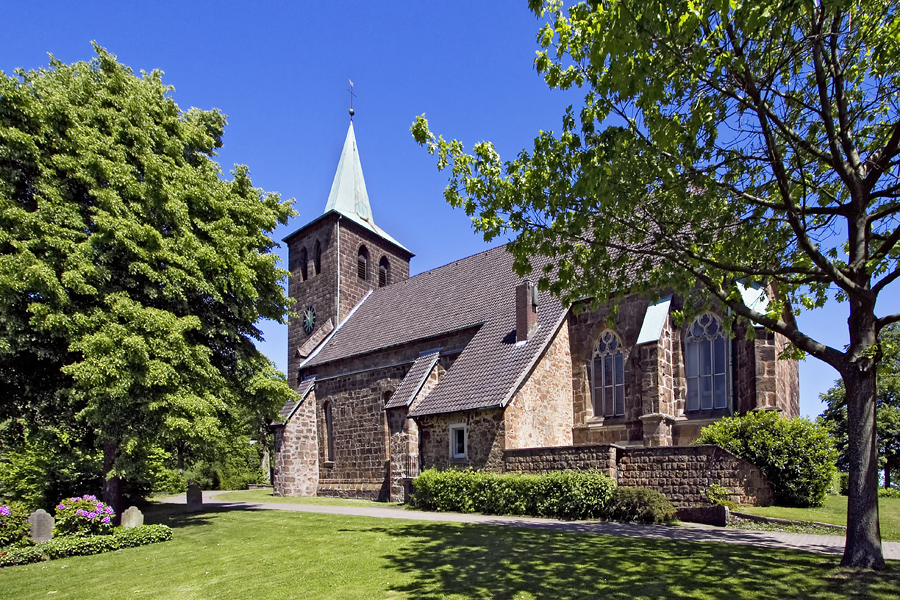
(540, 413)
(485, 440)
(682, 473)
(787, 380)
(297, 452)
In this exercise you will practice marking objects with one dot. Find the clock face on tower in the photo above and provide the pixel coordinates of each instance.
(309, 319)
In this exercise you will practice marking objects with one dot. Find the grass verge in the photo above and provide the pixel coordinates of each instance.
(835, 512)
(273, 554)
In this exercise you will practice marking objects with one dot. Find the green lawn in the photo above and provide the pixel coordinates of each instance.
(266, 496)
(835, 512)
(274, 554)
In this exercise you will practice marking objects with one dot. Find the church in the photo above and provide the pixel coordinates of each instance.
(468, 365)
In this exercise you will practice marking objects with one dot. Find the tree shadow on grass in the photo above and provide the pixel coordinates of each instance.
(177, 516)
(480, 561)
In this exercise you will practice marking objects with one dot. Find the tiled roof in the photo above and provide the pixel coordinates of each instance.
(413, 381)
(291, 405)
(475, 291)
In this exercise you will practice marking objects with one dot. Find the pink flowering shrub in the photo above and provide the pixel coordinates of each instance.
(83, 516)
(14, 526)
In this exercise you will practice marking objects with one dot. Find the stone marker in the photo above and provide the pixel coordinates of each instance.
(194, 498)
(41, 525)
(132, 517)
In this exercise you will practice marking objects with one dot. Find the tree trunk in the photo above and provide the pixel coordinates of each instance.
(112, 486)
(863, 545)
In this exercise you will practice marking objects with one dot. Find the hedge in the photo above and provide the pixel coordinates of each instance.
(67, 545)
(796, 455)
(570, 495)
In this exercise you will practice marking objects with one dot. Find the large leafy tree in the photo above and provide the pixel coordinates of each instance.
(718, 143)
(887, 409)
(133, 274)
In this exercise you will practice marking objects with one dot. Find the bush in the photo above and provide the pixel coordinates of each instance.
(63, 546)
(641, 505)
(888, 493)
(719, 495)
(83, 516)
(14, 526)
(796, 455)
(562, 494)
(844, 484)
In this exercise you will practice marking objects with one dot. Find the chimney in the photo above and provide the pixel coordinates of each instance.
(526, 309)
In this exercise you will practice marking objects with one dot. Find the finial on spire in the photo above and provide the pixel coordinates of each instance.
(351, 99)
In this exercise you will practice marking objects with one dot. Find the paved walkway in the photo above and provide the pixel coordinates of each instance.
(687, 532)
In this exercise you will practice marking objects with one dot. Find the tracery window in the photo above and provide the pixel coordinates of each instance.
(608, 376)
(706, 364)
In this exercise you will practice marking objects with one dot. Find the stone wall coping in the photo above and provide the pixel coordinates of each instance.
(656, 417)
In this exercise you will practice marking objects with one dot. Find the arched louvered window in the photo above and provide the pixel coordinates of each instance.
(362, 264)
(608, 375)
(317, 257)
(384, 272)
(706, 364)
(304, 259)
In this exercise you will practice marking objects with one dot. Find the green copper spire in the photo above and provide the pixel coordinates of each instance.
(348, 190)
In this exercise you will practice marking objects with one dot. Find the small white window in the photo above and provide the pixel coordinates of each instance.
(706, 364)
(458, 441)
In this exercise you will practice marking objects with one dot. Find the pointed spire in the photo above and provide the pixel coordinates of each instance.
(348, 191)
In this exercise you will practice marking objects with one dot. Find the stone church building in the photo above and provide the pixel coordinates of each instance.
(467, 365)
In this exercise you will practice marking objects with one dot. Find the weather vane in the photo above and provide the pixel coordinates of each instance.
(351, 98)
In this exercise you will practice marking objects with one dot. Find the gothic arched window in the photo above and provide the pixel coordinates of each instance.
(362, 264)
(384, 272)
(608, 376)
(706, 364)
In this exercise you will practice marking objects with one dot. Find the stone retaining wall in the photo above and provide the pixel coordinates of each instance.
(682, 473)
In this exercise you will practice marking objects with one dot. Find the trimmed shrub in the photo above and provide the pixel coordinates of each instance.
(888, 493)
(68, 545)
(796, 455)
(14, 525)
(561, 494)
(83, 516)
(641, 505)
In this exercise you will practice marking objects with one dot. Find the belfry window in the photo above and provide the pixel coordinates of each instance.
(303, 266)
(608, 376)
(362, 264)
(384, 272)
(706, 364)
(317, 258)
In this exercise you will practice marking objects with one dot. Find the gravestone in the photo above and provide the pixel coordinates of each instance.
(132, 517)
(41, 525)
(194, 498)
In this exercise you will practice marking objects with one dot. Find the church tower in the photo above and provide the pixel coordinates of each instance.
(336, 259)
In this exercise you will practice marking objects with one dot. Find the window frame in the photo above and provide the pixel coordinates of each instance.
(616, 356)
(702, 351)
(454, 430)
(362, 263)
(329, 431)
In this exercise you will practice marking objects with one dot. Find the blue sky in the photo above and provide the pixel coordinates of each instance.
(280, 71)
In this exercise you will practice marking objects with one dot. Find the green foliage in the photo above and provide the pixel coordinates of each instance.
(64, 546)
(844, 484)
(40, 470)
(14, 526)
(889, 493)
(720, 495)
(796, 455)
(563, 494)
(641, 505)
(83, 516)
(133, 275)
